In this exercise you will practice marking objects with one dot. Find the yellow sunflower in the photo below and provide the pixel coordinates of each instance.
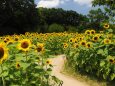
(88, 44)
(65, 45)
(106, 26)
(95, 38)
(39, 47)
(112, 61)
(48, 62)
(71, 40)
(107, 41)
(6, 39)
(87, 32)
(76, 45)
(24, 45)
(17, 65)
(92, 32)
(83, 43)
(3, 52)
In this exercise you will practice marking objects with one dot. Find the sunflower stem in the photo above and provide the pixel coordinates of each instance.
(2, 76)
(26, 70)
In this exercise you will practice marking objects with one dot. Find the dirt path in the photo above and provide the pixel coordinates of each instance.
(67, 80)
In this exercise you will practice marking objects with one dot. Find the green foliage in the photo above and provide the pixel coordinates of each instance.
(20, 15)
(96, 17)
(109, 6)
(61, 17)
(55, 28)
(72, 29)
(26, 69)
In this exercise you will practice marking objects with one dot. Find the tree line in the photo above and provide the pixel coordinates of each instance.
(20, 16)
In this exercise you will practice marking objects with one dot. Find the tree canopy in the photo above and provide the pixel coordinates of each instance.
(17, 14)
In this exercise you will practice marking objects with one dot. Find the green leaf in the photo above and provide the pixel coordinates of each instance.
(112, 76)
(104, 76)
(49, 69)
(110, 30)
(100, 51)
(5, 73)
(102, 63)
(25, 65)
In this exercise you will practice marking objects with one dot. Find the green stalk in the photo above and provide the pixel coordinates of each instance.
(26, 70)
(4, 84)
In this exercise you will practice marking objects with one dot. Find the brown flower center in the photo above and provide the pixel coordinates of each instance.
(88, 32)
(111, 60)
(92, 32)
(24, 44)
(16, 39)
(88, 45)
(95, 38)
(107, 41)
(83, 43)
(18, 65)
(39, 49)
(1, 52)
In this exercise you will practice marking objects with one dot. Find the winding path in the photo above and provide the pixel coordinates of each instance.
(58, 63)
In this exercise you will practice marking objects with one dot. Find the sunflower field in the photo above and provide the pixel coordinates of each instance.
(25, 58)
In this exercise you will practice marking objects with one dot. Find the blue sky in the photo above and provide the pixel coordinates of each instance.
(81, 6)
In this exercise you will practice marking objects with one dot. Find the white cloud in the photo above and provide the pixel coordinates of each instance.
(48, 3)
(84, 2)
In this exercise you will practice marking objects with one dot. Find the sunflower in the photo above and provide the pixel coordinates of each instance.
(107, 41)
(83, 43)
(76, 45)
(6, 39)
(3, 52)
(71, 40)
(106, 26)
(17, 65)
(88, 44)
(39, 47)
(92, 32)
(87, 32)
(65, 45)
(10, 42)
(24, 45)
(48, 62)
(95, 38)
(112, 61)
(16, 38)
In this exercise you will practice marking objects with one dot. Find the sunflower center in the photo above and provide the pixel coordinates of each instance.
(18, 65)
(95, 38)
(39, 49)
(88, 32)
(16, 39)
(107, 41)
(92, 32)
(88, 45)
(83, 43)
(24, 45)
(1, 52)
(106, 25)
(111, 60)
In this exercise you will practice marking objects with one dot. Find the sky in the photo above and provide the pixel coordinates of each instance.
(80, 6)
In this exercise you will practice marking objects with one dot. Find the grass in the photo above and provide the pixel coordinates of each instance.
(90, 80)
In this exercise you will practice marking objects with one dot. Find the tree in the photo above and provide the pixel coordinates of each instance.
(63, 17)
(109, 7)
(96, 17)
(19, 14)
